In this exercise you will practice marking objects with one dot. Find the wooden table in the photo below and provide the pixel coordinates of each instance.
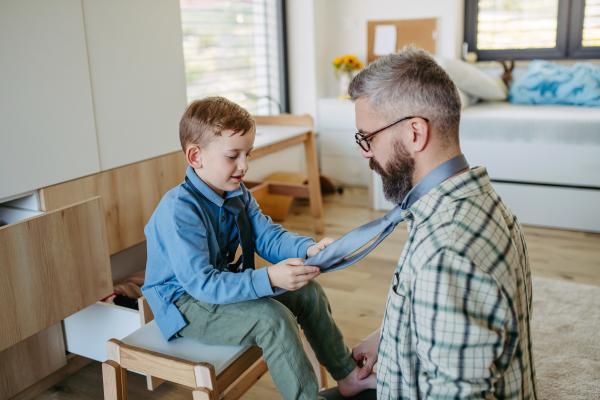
(271, 138)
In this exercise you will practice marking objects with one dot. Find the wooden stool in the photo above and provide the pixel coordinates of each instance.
(213, 372)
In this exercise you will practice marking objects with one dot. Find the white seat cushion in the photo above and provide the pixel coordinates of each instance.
(549, 124)
(150, 338)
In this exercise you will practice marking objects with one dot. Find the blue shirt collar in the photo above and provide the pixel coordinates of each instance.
(205, 191)
(434, 178)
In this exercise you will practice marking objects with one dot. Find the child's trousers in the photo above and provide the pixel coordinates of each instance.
(270, 323)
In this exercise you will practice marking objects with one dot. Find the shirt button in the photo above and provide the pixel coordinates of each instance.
(222, 234)
(223, 219)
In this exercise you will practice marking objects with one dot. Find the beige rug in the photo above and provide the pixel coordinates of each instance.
(566, 339)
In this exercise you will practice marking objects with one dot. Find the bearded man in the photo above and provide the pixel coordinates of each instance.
(457, 322)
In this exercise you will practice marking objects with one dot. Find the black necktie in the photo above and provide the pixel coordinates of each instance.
(235, 206)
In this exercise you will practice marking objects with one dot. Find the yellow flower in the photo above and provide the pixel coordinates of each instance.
(350, 60)
(338, 61)
(358, 65)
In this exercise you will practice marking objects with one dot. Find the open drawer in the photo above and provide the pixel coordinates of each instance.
(87, 331)
(53, 265)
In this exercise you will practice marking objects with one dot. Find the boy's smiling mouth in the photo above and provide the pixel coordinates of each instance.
(237, 178)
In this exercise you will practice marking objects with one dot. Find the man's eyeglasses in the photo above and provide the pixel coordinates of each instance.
(363, 140)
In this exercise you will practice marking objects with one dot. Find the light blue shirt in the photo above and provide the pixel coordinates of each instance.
(189, 237)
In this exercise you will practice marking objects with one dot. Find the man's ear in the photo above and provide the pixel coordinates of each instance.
(420, 134)
(193, 154)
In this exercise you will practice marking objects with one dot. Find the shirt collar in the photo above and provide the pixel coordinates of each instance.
(474, 182)
(206, 192)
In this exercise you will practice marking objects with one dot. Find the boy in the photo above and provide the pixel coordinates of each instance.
(196, 291)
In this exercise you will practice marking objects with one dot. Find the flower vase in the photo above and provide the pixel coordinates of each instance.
(345, 79)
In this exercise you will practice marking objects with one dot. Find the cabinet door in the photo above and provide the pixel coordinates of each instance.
(53, 265)
(31, 360)
(135, 50)
(47, 131)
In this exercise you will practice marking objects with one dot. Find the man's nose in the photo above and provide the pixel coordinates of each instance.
(366, 154)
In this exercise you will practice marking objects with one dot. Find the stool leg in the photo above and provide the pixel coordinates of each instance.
(123, 383)
(203, 394)
(113, 382)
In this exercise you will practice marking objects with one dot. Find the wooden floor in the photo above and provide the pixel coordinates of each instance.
(358, 294)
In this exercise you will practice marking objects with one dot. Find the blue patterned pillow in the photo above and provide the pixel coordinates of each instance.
(548, 83)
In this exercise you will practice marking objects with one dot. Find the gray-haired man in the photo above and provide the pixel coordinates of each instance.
(457, 320)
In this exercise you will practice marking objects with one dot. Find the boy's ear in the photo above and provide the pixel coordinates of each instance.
(193, 154)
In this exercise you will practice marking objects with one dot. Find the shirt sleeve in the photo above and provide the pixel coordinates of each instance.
(460, 314)
(272, 242)
(189, 255)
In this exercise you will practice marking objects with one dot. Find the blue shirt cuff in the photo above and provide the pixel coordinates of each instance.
(304, 247)
(261, 282)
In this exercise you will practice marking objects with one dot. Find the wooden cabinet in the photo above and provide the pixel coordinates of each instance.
(53, 265)
(47, 125)
(86, 86)
(135, 49)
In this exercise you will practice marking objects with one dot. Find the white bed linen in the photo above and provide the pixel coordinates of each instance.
(503, 121)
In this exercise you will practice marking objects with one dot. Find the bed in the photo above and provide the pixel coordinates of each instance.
(544, 160)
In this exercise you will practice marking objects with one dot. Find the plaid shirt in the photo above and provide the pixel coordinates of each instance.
(457, 323)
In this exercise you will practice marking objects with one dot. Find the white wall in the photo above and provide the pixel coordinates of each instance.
(301, 57)
(320, 30)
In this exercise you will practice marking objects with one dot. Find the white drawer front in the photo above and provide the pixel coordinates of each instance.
(88, 330)
(346, 170)
(336, 114)
(339, 143)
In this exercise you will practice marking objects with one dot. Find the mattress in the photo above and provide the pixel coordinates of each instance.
(550, 124)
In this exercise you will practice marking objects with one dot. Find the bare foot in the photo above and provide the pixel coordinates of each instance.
(351, 386)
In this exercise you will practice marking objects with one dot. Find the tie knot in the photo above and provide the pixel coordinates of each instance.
(395, 215)
(234, 205)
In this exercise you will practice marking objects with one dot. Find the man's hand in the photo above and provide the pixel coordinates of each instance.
(290, 274)
(367, 348)
(315, 248)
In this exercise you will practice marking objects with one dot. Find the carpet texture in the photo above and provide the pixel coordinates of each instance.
(566, 339)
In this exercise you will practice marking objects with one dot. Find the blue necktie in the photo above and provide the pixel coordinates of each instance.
(342, 249)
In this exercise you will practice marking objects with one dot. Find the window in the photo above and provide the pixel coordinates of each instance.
(235, 49)
(528, 29)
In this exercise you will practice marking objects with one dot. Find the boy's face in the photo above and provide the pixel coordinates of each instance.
(224, 162)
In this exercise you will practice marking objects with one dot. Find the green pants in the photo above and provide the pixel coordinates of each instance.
(270, 323)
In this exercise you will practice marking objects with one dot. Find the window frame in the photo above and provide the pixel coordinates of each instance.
(284, 80)
(569, 32)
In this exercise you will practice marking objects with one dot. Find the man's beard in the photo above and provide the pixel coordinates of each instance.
(397, 177)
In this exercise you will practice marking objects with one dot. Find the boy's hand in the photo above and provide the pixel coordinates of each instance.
(315, 248)
(290, 274)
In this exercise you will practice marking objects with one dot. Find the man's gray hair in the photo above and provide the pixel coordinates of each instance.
(411, 83)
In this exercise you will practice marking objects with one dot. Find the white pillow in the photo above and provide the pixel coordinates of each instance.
(472, 80)
(466, 100)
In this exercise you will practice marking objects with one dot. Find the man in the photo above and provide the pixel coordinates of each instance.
(457, 319)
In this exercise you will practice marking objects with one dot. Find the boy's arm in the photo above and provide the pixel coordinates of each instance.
(189, 255)
(271, 241)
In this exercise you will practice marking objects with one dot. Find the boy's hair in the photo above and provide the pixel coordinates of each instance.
(206, 118)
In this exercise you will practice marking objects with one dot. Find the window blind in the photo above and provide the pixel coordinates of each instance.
(591, 24)
(517, 24)
(232, 49)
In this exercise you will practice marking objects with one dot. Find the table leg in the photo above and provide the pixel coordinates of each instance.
(314, 184)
